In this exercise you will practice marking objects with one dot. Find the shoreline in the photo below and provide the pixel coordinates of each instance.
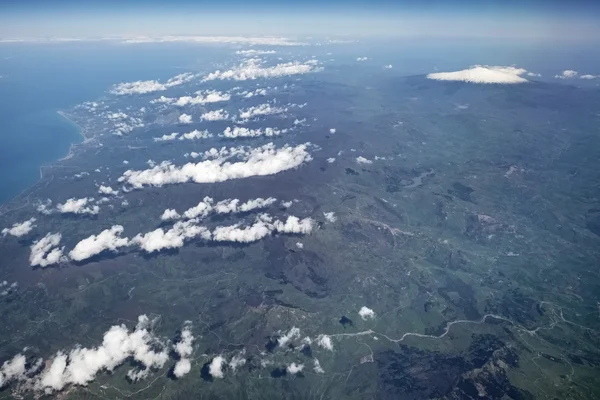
(70, 154)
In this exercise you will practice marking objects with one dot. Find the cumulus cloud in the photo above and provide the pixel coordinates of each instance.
(185, 119)
(143, 87)
(20, 228)
(317, 367)
(389, 66)
(325, 342)
(107, 190)
(587, 76)
(567, 74)
(292, 334)
(215, 368)
(263, 226)
(534, 75)
(252, 69)
(237, 361)
(330, 216)
(294, 368)
(46, 252)
(184, 348)
(108, 239)
(170, 214)
(175, 237)
(195, 134)
(166, 137)
(262, 109)
(362, 58)
(216, 115)
(482, 74)
(299, 245)
(331, 160)
(362, 160)
(366, 313)
(239, 131)
(202, 97)
(12, 369)
(264, 160)
(253, 52)
(80, 365)
(78, 206)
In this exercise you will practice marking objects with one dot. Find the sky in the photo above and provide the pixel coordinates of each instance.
(535, 19)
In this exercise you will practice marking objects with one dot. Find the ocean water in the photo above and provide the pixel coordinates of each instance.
(39, 80)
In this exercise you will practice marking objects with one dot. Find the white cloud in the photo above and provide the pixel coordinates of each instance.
(262, 109)
(294, 225)
(366, 313)
(80, 365)
(253, 52)
(20, 228)
(216, 115)
(196, 134)
(182, 367)
(78, 206)
(331, 160)
(587, 76)
(389, 66)
(292, 334)
(294, 368)
(12, 369)
(567, 74)
(166, 137)
(332, 131)
(253, 41)
(362, 58)
(286, 204)
(184, 348)
(264, 160)
(534, 75)
(170, 214)
(362, 160)
(248, 234)
(317, 367)
(142, 87)
(251, 69)
(330, 216)
(215, 368)
(299, 245)
(108, 239)
(175, 237)
(107, 190)
(202, 97)
(238, 131)
(45, 251)
(185, 119)
(482, 74)
(237, 361)
(325, 342)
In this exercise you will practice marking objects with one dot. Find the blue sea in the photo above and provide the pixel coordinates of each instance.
(37, 81)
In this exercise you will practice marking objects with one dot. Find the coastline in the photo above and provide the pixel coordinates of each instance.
(70, 154)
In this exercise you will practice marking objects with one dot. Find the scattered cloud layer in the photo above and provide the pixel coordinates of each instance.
(254, 52)
(482, 74)
(262, 109)
(185, 119)
(252, 69)
(255, 41)
(215, 115)
(143, 87)
(201, 98)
